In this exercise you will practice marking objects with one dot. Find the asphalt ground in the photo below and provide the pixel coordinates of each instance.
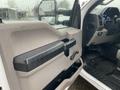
(81, 84)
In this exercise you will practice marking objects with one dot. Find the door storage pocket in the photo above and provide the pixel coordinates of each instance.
(64, 76)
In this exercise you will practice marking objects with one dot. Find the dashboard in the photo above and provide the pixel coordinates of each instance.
(101, 25)
(107, 18)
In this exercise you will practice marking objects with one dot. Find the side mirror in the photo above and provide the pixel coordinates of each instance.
(53, 12)
(47, 8)
(106, 2)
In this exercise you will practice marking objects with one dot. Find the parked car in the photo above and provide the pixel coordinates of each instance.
(68, 40)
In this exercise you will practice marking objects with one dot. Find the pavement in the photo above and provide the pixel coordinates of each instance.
(81, 84)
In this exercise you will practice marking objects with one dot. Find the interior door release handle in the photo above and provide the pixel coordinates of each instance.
(73, 55)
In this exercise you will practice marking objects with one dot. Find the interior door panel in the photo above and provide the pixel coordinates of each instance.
(37, 56)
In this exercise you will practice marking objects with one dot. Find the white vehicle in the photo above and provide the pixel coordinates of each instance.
(71, 39)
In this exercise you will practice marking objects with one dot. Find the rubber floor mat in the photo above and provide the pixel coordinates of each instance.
(102, 69)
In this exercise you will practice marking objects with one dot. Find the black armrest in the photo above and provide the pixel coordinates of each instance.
(32, 59)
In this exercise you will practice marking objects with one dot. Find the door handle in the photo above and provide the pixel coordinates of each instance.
(73, 55)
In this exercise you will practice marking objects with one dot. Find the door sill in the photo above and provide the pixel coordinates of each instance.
(96, 83)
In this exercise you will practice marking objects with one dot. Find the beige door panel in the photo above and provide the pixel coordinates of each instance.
(27, 41)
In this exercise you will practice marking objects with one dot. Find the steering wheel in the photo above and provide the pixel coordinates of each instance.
(109, 16)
